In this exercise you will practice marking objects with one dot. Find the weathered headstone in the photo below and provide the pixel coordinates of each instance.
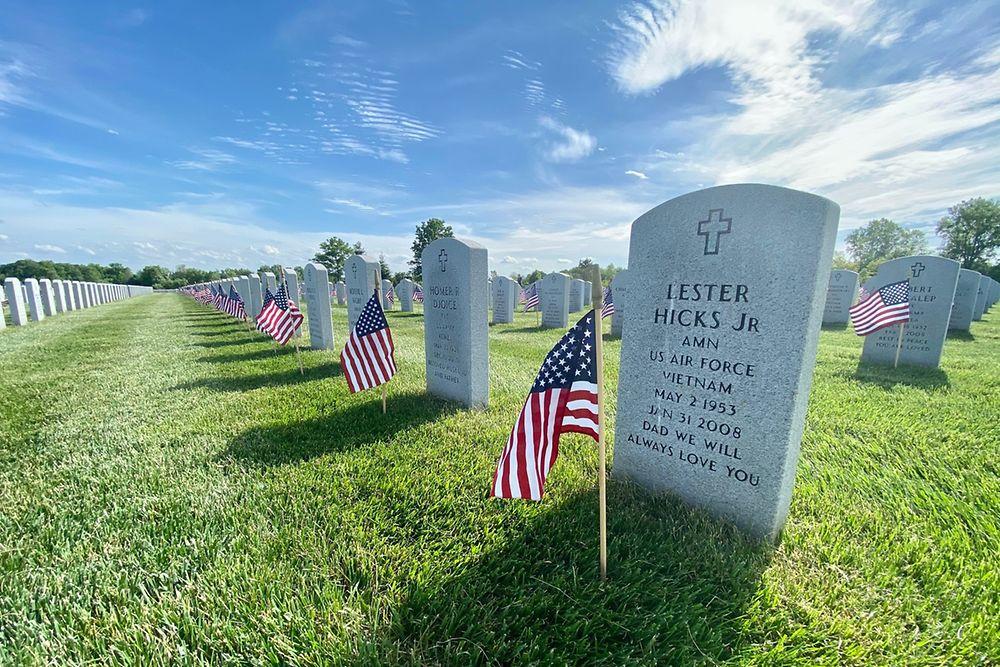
(255, 296)
(588, 293)
(48, 292)
(317, 283)
(362, 276)
(932, 290)
(15, 300)
(34, 298)
(341, 288)
(619, 285)
(706, 407)
(388, 294)
(268, 282)
(964, 304)
(981, 293)
(553, 292)
(505, 293)
(840, 293)
(576, 289)
(456, 331)
(404, 293)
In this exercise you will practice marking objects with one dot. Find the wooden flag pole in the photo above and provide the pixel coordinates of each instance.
(378, 295)
(899, 343)
(602, 455)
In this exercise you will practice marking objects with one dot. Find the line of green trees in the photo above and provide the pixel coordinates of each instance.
(159, 277)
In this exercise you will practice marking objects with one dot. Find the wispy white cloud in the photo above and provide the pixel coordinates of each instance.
(571, 145)
(517, 60)
(208, 159)
(45, 247)
(638, 174)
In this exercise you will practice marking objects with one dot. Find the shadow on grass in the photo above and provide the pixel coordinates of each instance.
(888, 377)
(514, 330)
(406, 315)
(261, 354)
(679, 587)
(337, 429)
(243, 339)
(956, 334)
(250, 382)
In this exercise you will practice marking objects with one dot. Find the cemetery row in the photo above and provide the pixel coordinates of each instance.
(34, 300)
(718, 349)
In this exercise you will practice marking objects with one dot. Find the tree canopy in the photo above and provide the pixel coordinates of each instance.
(971, 232)
(333, 253)
(881, 240)
(427, 232)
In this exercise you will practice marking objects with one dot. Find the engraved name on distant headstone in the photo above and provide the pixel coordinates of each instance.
(964, 304)
(932, 289)
(317, 284)
(456, 330)
(840, 293)
(15, 300)
(362, 276)
(707, 409)
(505, 293)
(619, 286)
(553, 291)
(576, 289)
(404, 293)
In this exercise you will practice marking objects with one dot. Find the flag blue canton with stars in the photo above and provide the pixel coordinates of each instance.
(573, 359)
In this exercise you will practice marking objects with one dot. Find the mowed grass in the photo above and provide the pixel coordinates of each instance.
(172, 490)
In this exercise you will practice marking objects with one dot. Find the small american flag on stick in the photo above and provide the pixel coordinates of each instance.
(563, 399)
(418, 294)
(281, 317)
(531, 299)
(608, 309)
(882, 308)
(368, 358)
(235, 306)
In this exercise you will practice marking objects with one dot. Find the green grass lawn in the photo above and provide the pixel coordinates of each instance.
(173, 490)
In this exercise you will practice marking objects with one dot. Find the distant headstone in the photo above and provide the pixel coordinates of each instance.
(618, 290)
(15, 300)
(292, 280)
(456, 331)
(981, 293)
(404, 293)
(388, 295)
(932, 290)
(48, 293)
(59, 293)
(243, 289)
(317, 283)
(588, 293)
(963, 306)
(554, 299)
(68, 297)
(505, 293)
(707, 409)
(840, 293)
(362, 275)
(268, 281)
(341, 288)
(78, 295)
(34, 298)
(255, 296)
(489, 292)
(576, 289)
(91, 294)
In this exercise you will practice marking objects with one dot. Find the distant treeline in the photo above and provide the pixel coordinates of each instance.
(159, 277)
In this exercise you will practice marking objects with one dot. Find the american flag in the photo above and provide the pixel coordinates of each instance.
(608, 309)
(281, 317)
(418, 294)
(390, 296)
(563, 399)
(531, 299)
(235, 306)
(268, 298)
(368, 358)
(217, 297)
(882, 308)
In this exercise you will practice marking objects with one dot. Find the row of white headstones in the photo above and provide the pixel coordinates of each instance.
(34, 300)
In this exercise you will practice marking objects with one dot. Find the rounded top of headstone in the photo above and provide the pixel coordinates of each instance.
(843, 271)
(448, 243)
(970, 272)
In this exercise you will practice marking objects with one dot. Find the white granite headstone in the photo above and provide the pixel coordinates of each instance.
(505, 294)
(963, 306)
(707, 408)
(840, 296)
(981, 293)
(341, 289)
(388, 295)
(362, 276)
(456, 331)
(404, 293)
(255, 296)
(576, 289)
(34, 297)
(317, 284)
(15, 300)
(554, 299)
(619, 285)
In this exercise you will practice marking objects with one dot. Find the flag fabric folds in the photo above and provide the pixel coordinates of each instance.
(418, 294)
(531, 298)
(368, 359)
(882, 308)
(235, 305)
(268, 298)
(563, 399)
(281, 317)
(608, 308)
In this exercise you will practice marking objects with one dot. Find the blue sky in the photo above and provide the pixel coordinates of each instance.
(212, 134)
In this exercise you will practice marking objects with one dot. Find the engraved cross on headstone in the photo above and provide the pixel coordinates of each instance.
(917, 269)
(442, 259)
(713, 228)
